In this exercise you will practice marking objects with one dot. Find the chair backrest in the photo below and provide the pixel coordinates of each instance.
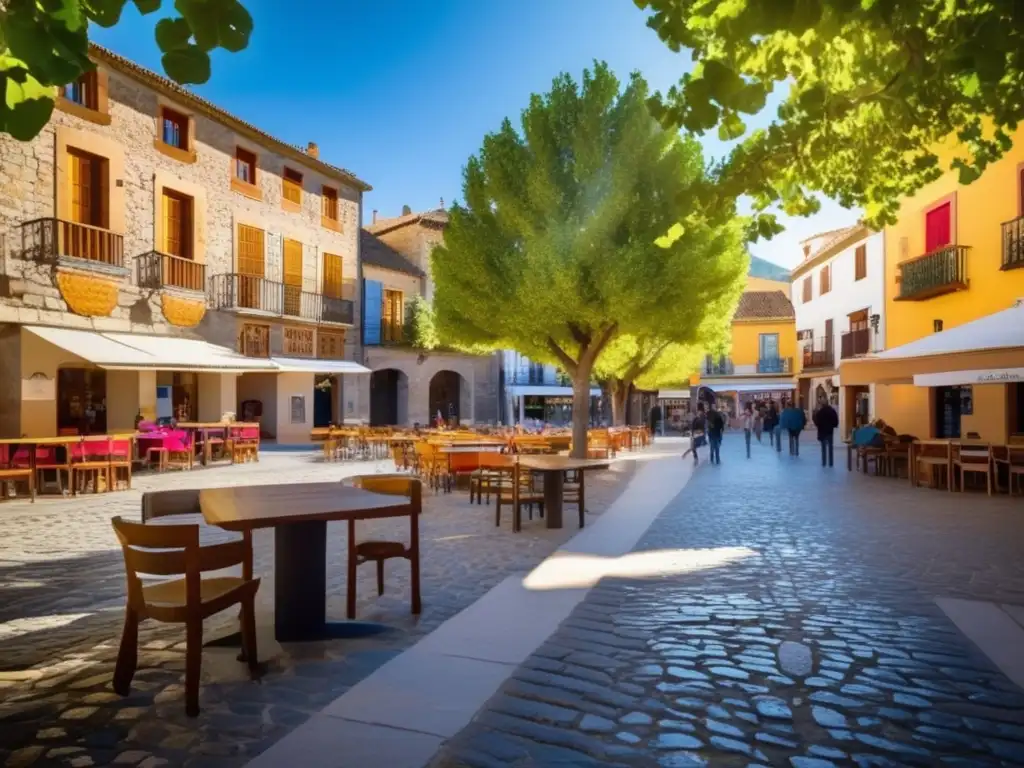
(173, 550)
(975, 453)
(166, 503)
(1015, 453)
(92, 448)
(120, 450)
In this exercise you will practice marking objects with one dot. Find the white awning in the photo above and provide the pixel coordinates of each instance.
(133, 352)
(673, 394)
(540, 390)
(774, 386)
(303, 365)
(958, 378)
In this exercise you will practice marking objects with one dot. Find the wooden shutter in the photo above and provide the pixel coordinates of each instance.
(332, 275)
(938, 229)
(861, 263)
(82, 192)
(829, 335)
(250, 251)
(807, 289)
(292, 277)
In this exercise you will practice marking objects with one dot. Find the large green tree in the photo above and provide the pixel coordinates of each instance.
(871, 88)
(580, 228)
(44, 44)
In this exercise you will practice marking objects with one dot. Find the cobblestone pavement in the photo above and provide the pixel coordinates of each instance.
(822, 646)
(62, 601)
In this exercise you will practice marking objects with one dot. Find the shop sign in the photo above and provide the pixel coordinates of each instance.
(38, 386)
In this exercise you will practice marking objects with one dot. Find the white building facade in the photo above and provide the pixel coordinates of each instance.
(538, 393)
(838, 293)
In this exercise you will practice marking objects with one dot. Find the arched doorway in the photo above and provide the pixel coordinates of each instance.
(445, 393)
(388, 393)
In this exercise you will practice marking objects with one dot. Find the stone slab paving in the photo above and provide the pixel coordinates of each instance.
(62, 597)
(788, 619)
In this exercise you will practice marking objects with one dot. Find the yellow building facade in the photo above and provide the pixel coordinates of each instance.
(954, 272)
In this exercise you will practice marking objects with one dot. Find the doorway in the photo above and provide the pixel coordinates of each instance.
(947, 412)
(323, 401)
(444, 396)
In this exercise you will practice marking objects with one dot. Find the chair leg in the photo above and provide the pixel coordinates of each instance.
(248, 627)
(127, 654)
(351, 596)
(583, 508)
(193, 665)
(380, 578)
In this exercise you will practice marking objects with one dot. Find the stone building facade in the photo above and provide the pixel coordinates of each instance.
(142, 209)
(411, 386)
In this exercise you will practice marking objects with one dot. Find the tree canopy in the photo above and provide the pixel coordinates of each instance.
(579, 229)
(874, 86)
(44, 44)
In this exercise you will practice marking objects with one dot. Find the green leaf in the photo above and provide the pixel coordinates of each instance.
(106, 13)
(731, 127)
(27, 104)
(147, 6)
(187, 65)
(172, 34)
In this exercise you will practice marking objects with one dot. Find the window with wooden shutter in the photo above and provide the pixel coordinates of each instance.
(298, 342)
(292, 277)
(808, 289)
(329, 208)
(84, 91)
(254, 340)
(251, 266)
(177, 224)
(825, 280)
(174, 128)
(332, 275)
(245, 165)
(861, 262)
(938, 227)
(292, 187)
(330, 345)
(392, 316)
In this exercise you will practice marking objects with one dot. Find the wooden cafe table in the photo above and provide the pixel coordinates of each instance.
(553, 469)
(299, 513)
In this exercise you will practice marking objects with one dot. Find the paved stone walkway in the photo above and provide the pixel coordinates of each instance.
(62, 601)
(794, 625)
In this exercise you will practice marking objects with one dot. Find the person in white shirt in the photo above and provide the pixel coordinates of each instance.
(747, 420)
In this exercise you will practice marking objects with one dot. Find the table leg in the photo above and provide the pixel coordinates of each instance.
(554, 485)
(300, 587)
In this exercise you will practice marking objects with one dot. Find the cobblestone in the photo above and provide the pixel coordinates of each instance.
(62, 602)
(821, 646)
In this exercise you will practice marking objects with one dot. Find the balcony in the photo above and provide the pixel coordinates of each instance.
(934, 274)
(1013, 244)
(855, 343)
(268, 297)
(161, 270)
(721, 367)
(54, 239)
(823, 357)
(775, 365)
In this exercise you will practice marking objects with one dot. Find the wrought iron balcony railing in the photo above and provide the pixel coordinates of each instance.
(52, 239)
(855, 343)
(823, 357)
(933, 274)
(1013, 243)
(244, 292)
(157, 270)
(775, 365)
(721, 366)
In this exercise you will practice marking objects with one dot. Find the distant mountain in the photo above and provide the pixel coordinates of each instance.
(767, 270)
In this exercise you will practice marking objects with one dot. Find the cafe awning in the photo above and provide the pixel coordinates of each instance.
(989, 344)
(302, 365)
(772, 386)
(139, 352)
(960, 378)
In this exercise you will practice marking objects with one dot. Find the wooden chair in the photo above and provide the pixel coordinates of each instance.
(895, 454)
(378, 551)
(245, 445)
(180, 451)
(1015, 465)
(974, 458)
(431, 465)
(599, 444)
(173, 550)
(91, 459)
(933, 458)
(573, 491)
(516, 490)
(13, 470)
(120, 461)
(48, 460)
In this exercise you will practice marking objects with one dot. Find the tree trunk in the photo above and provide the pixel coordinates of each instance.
(619, 393)
(580, 410)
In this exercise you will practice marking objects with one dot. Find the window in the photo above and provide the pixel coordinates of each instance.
(174, 129)
(251, 267)
(392, 316)
(768, 346)
(860, 259)
(298, 342)
(292, 185)
(84, 91)
(330, 345)
(81, 401)
(88, 176)
(332, 275)
(177, 213)
(254, 340)
(807, 335)
(808, 290)
(825, 280)
(245, 166)
(293, 279)
(938, 227)
(329, 207)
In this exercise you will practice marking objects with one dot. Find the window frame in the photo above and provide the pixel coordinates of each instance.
(291, 186)
(251, 188)
(187, 223)
(808, 290)
(337, 338)
(99, 112)
(860, 262)
(185, 154)
(392, 298)
(326, 258)
(264, 333)
(825, 280)
(329, 195)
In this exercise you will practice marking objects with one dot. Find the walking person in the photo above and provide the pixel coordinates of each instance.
(793, 420)
(758, 422)
(655, 419)
(715, 428)
(826, 420)
(748, 425)
(697, 433)
(771, 423)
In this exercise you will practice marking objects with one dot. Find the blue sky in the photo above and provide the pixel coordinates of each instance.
(402, 92)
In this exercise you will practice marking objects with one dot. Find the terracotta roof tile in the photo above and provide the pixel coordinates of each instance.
(377, 253)
(438, 217)
(764, 305)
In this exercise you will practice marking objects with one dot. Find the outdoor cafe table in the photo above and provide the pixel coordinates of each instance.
(65, 441)
(553, 469)
(299, 514)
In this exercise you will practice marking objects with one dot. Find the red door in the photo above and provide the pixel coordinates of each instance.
(938, 227)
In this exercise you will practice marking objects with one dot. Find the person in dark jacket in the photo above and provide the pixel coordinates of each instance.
(655, 420)
(697, 433)
(826, 420)
(716, 426)
(793, 420)
(771, 421)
